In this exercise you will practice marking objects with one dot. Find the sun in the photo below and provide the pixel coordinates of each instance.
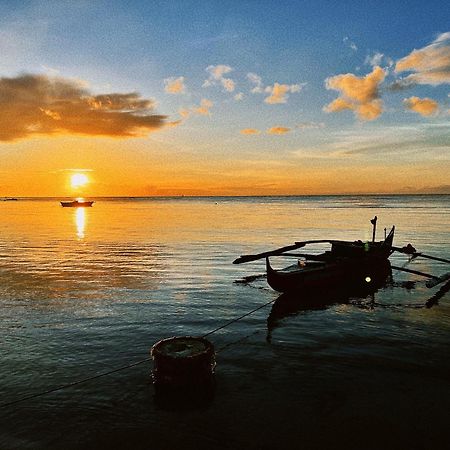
(78, 180)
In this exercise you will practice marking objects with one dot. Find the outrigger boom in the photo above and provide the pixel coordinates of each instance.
(277, 251)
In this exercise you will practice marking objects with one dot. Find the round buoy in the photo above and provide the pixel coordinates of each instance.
(183, 361)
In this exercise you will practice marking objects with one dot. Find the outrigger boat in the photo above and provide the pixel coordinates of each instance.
(348, 262)
(76, 204)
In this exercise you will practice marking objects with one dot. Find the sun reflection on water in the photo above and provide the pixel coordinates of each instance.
(80, 221)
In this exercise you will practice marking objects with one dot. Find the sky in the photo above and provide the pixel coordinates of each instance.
(153, 98)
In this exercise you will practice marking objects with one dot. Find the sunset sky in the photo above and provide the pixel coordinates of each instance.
(142, 98)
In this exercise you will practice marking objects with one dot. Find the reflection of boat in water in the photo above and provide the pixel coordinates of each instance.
(76, 204)
(290, 303)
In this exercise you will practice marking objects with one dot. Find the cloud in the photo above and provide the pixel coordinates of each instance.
(278, 130)
(228, 84)
(358, 94)
(426, 141)
(256, 80)
(250, 131)
(279, 92)
(430, 65)
(216, 75)
(174, 85)
(42, 105)
(310, 125)
(377, 59)
(401, 85)
(203, 109)
(238, 97)
(184, 113)
(423, 106)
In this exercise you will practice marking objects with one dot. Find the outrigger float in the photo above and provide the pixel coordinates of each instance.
(348, 262)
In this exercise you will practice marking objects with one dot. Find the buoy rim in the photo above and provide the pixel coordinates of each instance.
(157, 348)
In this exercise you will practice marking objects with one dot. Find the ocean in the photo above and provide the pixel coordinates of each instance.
(84, 291)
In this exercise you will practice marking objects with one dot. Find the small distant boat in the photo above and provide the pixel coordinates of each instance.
(76, 204)
(10, 199)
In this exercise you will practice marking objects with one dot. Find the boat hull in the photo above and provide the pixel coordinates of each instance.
(290, 303)
(328, 277)
(76, 204)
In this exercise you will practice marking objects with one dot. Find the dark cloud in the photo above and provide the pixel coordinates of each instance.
(41, 105)
(401, 84)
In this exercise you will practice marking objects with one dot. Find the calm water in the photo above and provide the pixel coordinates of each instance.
(87, 290)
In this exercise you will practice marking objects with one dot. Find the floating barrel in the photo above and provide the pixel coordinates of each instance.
(185, 361)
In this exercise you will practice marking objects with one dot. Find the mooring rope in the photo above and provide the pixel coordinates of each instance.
(73, 383)
(127, 366)
(239, 318)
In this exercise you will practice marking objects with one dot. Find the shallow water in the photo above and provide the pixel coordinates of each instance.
(84, 291)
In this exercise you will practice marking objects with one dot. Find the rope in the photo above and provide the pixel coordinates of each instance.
(239, 318)
(128, 366)
(238, 341)
(73, 383)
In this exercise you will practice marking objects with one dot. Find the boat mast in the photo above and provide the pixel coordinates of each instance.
(374, 223)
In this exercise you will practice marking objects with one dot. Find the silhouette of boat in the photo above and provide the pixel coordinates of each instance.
(76, 204)
(346, 263)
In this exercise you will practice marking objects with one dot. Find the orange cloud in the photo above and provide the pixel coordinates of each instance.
(41, 105)
(204, 107)
(174, 85)
(250, 131)
(370, 110)
(358, 94)
(279, 92)
(184, 113)
(278, 130)
(431, 64)
(423, 106)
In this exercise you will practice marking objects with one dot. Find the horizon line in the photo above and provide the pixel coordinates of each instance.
(179, 196)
